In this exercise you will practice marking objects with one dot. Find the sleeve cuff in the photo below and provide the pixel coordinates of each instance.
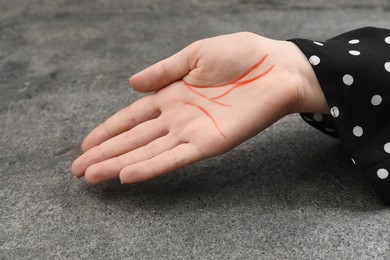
(353, 70)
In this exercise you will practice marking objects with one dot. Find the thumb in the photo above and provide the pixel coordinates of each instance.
(169, 70)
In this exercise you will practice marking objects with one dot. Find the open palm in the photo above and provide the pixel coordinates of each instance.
(209, 97)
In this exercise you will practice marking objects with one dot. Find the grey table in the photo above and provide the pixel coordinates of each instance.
(288, 193)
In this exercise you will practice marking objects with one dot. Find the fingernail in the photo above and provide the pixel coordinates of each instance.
(121, 181)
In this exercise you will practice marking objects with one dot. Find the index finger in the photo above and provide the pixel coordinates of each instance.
(140, 111)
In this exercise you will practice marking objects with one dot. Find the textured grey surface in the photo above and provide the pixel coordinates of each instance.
(289, 193)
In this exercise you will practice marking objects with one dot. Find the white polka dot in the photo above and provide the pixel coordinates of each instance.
(357, 131)
(387, 147)
(354, 53)
(376, 100)
(318, 43)
(353, 161)
(382, 173)
(317, 117)
(387, 66)
(387, 39)
(348, 79)
(355, 41)
(335, 111)
(314, 60)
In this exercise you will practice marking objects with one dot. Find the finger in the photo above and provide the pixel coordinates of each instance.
(166, 71)
(171, 160)
(109, 169)
(127, 118)
(138, 136)
(103, 171)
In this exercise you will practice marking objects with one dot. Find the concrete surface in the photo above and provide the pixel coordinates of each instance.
(289, 193)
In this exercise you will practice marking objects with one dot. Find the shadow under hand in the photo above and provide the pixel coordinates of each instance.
(270, 170)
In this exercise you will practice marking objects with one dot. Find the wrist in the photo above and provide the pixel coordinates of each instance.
(310, 97)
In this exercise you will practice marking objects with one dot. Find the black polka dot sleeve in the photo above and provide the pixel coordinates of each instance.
(354, 73)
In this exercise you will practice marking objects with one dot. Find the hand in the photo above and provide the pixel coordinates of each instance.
(208, 98)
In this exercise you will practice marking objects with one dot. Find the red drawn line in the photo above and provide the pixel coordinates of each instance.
(203, 96)
(236, 80)
(243, 83)
(208, 115)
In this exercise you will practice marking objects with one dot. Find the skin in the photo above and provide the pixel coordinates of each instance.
(204, 101)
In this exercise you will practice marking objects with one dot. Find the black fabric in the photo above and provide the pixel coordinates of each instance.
(353, 70)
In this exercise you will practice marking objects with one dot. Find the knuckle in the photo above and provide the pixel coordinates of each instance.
(132, 140)
(148, 152)
(165, 72)
(106, 128)
(174, 159)
(130, 118)
(100, 153)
